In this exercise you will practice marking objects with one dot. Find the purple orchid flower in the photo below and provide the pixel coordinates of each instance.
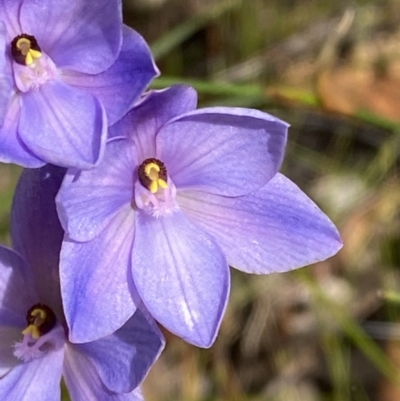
(180, 195)
(75, 70)
(35, 351)
(5, 81)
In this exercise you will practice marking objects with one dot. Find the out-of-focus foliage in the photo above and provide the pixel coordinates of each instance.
(8, 178)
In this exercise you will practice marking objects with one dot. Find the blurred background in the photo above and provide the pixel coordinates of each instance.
(331, 331)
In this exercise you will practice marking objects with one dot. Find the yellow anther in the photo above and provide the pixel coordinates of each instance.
(153, 188)
(32, 330)
(35, 53)
(39, 312)
(28, 59)
(152, 174)
(40, 319)
(159, 182)
(152, 170)
(40, 316)
(162, 183)
(31, 56)
(24, 45)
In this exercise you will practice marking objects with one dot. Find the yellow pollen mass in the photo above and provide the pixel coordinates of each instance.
(24, 45)
(32, 330)
(155, 184)
(39, 313)
(152, 170)
(162, 183)
(153, 188)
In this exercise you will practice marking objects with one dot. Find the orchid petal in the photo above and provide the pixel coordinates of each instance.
(83, 381)
(77, 35)
(124, 358)
(5, 76)
(143, 123)
(17, 290)
(226, 151)
(36, 231)
(13, 319)
(9, 14)
(9, 336)
(12, 149)
(89, 200)
(37, 380)
(122, 84)
(96, 286)
(63, 125)
(275, 229)
(181, 275)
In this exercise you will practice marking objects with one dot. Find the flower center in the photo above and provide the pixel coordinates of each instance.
(154, 190)
(42, 334)
(25, 49)
(153, 175)
(32, 67)
(41, 319)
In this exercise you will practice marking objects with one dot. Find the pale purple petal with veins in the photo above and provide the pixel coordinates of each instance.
(78, 35)
(87, 384)
(5, 69)
(36, 380)
(97, 289)
(123, 359)
(9, 14)
(100, 193)
(226, 151)
(15, 275)
(35, 230)
(12, 148)
(9, 335)
(181, 275)
(120, 86)
(155, 110)
(63, 125)
(275, 229)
